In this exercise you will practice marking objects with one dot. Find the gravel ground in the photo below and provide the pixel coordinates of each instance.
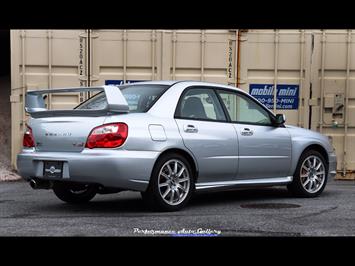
(253, 212)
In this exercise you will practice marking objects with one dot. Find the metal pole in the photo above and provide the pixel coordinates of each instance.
(23, 68)
(154, 38)
(301, 76)
(203, 42)
(238, 59)
(174, 54)
(89, 61)
(322, 83)
(276, 59)
(346, 113)
(49, 36)
(124, 56)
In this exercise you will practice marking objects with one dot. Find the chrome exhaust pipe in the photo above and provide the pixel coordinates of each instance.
(40, 184)
(33, 184)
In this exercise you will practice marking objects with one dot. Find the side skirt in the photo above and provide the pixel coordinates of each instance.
(225, 185)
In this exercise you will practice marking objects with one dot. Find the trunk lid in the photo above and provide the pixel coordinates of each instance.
(63, 134)
(68, 130)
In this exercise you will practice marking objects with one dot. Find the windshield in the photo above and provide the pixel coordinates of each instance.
(140, 98)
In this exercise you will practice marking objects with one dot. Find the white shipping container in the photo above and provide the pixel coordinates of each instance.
(322, 64)
(61, 58)
(318, 65)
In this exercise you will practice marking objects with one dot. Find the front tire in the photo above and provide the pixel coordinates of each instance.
(74, 193)
(171, 184)
(310, 177)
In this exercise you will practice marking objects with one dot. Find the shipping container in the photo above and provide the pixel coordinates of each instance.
(312, 71)
(319, 64)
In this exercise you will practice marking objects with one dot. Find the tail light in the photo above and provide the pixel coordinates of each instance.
(107, 136)
(28, 139)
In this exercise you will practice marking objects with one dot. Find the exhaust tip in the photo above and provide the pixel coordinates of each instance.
(40, 184)
(33, 184)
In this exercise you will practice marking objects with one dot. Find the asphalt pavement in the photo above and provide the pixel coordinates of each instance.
(248, 212)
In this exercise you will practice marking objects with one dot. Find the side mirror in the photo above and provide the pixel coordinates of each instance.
(280, 119)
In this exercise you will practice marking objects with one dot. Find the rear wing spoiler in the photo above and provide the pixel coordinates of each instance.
(116, 103)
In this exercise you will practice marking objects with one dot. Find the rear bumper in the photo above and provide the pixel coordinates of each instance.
(332, 165)
(129, 170)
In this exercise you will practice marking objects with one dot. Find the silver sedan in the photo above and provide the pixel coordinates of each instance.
(168, 139)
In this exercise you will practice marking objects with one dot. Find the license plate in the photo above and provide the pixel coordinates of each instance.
(53, 169)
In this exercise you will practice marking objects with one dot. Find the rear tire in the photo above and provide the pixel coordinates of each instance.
(310, 177)
(74, 193)
(171, 184)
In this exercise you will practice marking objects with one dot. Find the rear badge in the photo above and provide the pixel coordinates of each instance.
(52, 170)
(78, 144)
(50, 134)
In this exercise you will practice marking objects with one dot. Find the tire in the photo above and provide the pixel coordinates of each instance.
(159, 198)
(309, 184)
(74, 193)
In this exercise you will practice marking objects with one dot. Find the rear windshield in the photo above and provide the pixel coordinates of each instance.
(140, 98)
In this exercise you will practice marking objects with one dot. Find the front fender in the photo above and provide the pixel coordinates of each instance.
(301, 143)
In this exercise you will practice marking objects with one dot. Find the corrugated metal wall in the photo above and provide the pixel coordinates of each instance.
(320, 63)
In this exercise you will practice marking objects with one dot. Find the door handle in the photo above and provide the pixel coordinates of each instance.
(247, 132)
(190, 129)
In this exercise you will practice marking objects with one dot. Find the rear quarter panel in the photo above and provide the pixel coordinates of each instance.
(140, 137)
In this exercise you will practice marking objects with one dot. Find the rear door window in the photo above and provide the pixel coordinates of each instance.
(200, 104)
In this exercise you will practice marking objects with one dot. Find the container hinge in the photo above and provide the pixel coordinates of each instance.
(203, 37)
(313, 102)
(154, 36)
(83, 78)
(242, 81)
(94, 35)
(83, 35)
(94, 78)
(243, 38)
(15, 98)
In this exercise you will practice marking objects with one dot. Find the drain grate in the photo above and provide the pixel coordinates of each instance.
(270, 206)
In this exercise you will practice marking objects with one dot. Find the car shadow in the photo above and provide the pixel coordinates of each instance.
(134, 205)
(240, 195)
(111, 205)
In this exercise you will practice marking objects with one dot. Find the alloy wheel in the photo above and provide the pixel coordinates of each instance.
(174, 182)
(312, 174)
